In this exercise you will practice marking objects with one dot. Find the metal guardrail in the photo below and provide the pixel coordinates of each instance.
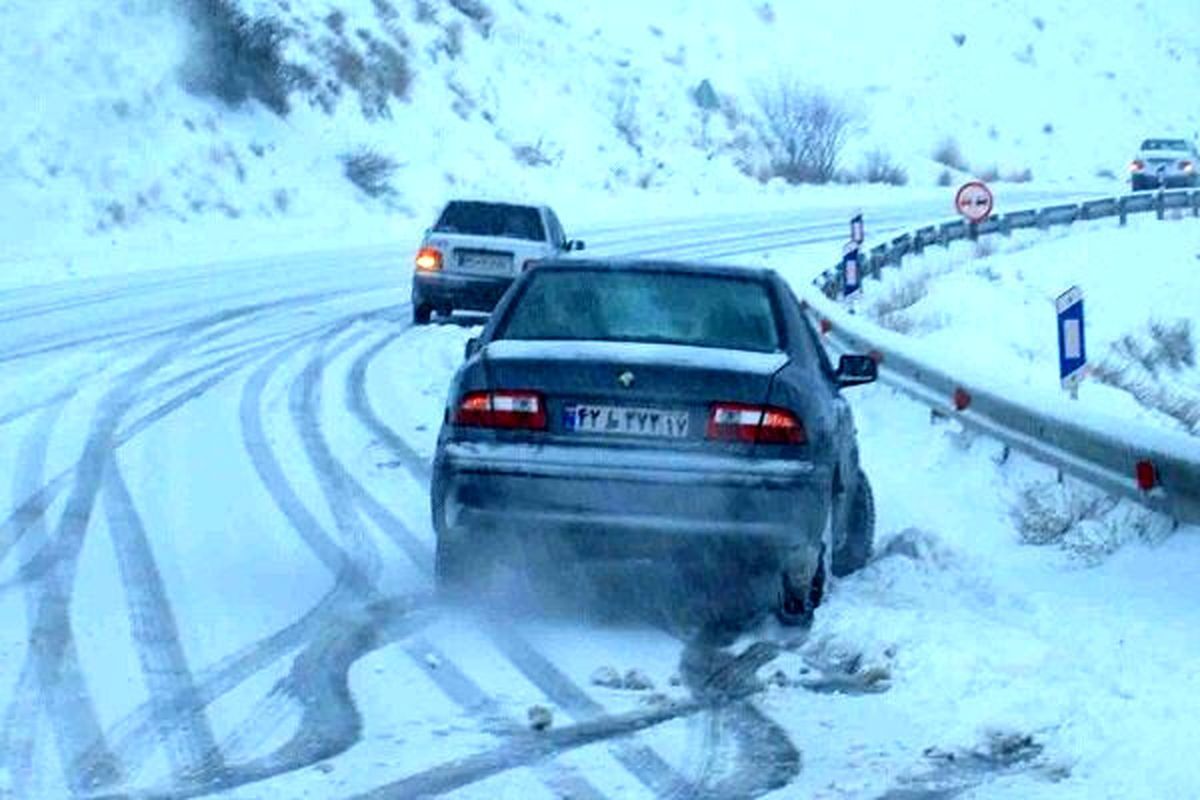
(1101, 450)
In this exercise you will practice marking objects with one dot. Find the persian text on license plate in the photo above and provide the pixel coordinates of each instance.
(484, 261)
(665, 423)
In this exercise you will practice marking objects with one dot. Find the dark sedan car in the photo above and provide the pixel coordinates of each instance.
(645, 410)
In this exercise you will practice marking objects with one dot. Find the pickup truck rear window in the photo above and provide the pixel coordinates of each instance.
(704, 310)
(491, 219)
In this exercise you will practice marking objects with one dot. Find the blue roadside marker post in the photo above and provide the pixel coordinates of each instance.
(851, 274)
(1072, 348)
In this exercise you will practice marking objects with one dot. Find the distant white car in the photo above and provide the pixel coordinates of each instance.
(1164, 162)
(476, 249)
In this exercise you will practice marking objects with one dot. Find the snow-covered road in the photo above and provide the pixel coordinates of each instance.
(215, 579)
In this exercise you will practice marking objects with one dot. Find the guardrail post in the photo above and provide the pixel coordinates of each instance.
(973, 231)
(1159, 204)
(1121, 212)
(1196, 204)
(1005, 228)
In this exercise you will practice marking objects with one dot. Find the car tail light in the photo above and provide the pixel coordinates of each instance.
(429, 259)
(1137, 165)
(519, 410)
(735, 422)
(1186, 166)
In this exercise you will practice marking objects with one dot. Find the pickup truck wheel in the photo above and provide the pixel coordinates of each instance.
(860, 531)
(422, 313)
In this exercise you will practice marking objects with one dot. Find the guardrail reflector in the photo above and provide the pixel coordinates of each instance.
(962, 399)
(826, 325)
(1146, 474)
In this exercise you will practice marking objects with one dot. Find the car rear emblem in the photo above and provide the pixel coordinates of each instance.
(625, 379)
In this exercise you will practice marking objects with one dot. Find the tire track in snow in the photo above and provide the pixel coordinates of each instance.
(182, 724)
(348, 491)
(52, 656)
(18, 741)
(452, 681)
(86, 759)
(359, 404)
(39, 500)
(134, 733)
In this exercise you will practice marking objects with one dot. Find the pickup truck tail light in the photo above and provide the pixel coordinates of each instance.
(513, 410)
(1137, 165)
(1186, 166)
(737, 422)
(429, 259)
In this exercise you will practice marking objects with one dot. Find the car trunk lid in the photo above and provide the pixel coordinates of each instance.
(631, 391)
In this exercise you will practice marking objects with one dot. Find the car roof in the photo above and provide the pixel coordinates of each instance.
(479, 201)
(654, 265)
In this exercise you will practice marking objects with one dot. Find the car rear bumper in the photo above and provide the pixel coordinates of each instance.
(467, 292)
(617, 502)
(1170, 180)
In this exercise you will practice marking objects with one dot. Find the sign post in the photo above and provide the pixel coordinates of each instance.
(857, 233)
(851, 273)
(1072, 349)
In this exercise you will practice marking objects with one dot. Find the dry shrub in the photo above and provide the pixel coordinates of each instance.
(804, 130)
(948, 155)
(370, 171)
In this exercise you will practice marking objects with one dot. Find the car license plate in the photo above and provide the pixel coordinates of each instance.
(623, 420)
(484, 261)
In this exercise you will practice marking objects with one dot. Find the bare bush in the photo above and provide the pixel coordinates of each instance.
(625, 118)
(988, 174)
(945, 178)
(478, 12)
(236, 58)
(1019, 176)
(370, 171)
(947, 154)
(452, 44)
(1144, 365)
(378, 73)
(804, 130)
(532, 155)
(878, 167)
(1045, 513)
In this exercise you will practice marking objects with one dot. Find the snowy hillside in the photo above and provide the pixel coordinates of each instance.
(105, 149)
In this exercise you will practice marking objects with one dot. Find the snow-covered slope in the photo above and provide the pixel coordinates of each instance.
(1139, 285)
(588, 106)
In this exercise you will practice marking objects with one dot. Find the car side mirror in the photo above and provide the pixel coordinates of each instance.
(855, 370)
(575, 244)
(471, 348)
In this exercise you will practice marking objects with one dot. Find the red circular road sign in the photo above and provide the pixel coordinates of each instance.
(974, 201)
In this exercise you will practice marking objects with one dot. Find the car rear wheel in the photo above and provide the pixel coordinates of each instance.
(451, 566)
(855, 549)
(422, 312)
(797, 603)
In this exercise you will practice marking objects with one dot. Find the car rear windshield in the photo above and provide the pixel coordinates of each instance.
(492, 219)
(705, 310)
(1164, 144)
